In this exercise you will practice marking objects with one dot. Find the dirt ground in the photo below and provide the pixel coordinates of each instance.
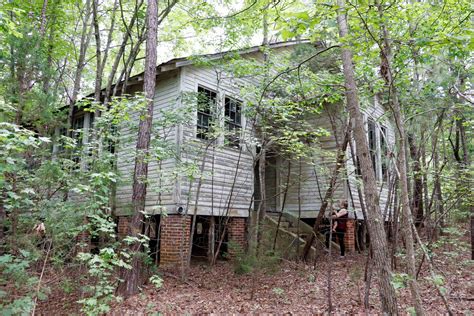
(294, 288)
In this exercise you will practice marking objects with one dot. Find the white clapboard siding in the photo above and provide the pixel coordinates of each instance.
(375, 111)
(220, 193)
(303, 196)
(227, 181)
(161, 181)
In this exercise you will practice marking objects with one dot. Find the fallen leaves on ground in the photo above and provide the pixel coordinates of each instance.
(296, 288)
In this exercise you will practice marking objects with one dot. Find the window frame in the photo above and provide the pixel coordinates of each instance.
(233, 127)
(373, 145)
(202, 132)
(384, 163)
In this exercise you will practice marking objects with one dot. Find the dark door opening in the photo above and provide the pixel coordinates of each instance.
(152, 228)
(205, 243)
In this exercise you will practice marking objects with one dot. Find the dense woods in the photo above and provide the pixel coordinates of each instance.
(155, 150)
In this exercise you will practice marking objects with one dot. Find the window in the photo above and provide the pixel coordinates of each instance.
(77, 129)
(205, 108)
(372, 131)
(384, 152)
(233, 121)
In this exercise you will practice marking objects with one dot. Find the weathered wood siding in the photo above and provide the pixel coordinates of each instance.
(161, 173)
(226, 183)
(375, 111)
(310, 176)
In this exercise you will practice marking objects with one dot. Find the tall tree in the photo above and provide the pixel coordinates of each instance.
(386, 70)
(374, 216)
(131, 276)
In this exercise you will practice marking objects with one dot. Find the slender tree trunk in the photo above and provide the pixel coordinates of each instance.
(363, 234)
(118, 57)
(44, 9)
(228, 206)
(131, 277)
(51, 37)
(329, 268)
(98, 52)
(426, 197)
(101, 61)
(3, 217)
(465, 169)
(432, 273)
(285, 194)
(196, 202)
(439, 202)
(417, 197)
(212, 240)
(262, 208)
(262, 155)
(374, 216)
(407, 218)
(84, 44)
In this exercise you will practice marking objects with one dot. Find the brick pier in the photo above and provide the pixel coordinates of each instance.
(174, 240)
(349, 238)
(236, 232)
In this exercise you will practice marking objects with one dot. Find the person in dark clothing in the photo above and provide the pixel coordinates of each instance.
(339, 219)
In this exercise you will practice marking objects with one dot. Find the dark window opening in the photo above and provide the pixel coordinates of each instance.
(233, 121)
(205, 107)
(372, 144)
(384, 152)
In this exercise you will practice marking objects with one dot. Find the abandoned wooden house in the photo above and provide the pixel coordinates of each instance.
(215, 178)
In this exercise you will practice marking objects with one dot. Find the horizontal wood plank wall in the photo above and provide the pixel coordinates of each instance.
(315, 169)
(221, 161)
(161, 176)
(271, 185)
(376, 112)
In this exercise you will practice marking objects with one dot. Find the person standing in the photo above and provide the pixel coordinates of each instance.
(339, 226)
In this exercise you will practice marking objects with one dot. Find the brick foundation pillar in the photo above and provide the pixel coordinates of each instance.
(349, 238)
(174, 239)
(122, 226)
(236, 231)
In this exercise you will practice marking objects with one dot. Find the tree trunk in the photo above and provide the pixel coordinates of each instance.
(3, 217)
(374, 217)
(262, 207)
(212, 240)
(285, 194)
(131, 277)
(407, 218)
(118, 57)
(98, 52)
(194, 218)
(85, 39)
(417, 200)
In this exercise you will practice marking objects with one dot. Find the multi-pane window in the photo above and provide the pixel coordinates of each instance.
(233, 121)
(372, 131)
(384, 152)
(205, 108)
(77, 126)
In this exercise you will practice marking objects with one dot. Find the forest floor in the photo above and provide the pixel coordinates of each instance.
(292, 288)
